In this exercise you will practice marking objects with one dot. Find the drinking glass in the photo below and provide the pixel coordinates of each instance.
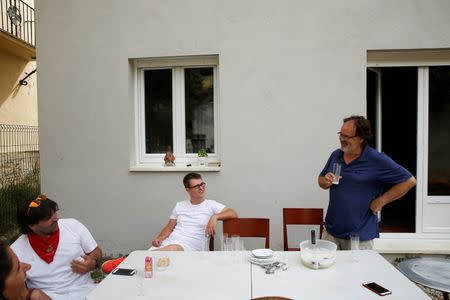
(336, 172)
(235, 244)
(161, 261)
(227, 244)
(206, 243)
(354, 245)
(241, 245)
(354, 241)
(235, 241)
(242, 254)
(222, 238)
(139, 283)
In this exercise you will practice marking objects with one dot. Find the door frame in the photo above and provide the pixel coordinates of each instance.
(422, 59)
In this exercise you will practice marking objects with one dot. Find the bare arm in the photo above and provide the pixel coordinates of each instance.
(165, 232)
(37, 294)
(226, 213)
(88, 263)
(96, 254)
(392, 194)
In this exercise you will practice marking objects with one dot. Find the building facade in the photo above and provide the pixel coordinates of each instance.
(262, 86)
(18, 102)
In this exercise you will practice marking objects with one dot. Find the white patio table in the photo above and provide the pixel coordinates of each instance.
(190, 275)
(341, 281)
(220, 275)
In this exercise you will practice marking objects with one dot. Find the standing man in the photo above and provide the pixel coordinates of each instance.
(193, 220)
(61, 252)
(361, 191)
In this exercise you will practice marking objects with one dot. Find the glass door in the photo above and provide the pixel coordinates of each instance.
(437, 131)
(392, 111)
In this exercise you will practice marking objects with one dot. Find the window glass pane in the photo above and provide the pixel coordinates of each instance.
(158, 110)
(438, 135)
(199, 93)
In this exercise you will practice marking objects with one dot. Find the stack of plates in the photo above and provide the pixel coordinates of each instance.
(261, 257)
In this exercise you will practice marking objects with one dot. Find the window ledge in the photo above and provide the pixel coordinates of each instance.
(412, 246)
(174, 169)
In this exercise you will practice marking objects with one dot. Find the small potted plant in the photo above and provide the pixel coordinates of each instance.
(202, 156)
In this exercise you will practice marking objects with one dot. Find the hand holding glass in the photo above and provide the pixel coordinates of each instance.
(336, 173)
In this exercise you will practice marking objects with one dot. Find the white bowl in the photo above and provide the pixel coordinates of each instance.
(262, 253)
(319, 256)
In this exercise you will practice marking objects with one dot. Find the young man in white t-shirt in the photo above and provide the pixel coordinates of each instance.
(62, 252)
(192, 221)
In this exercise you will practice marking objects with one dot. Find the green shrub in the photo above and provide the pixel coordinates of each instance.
(11, 197)
(17, 187)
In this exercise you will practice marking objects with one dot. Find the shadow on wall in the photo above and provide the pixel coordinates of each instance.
(13, 69)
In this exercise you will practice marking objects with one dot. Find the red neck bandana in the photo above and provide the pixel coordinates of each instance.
(45, 247)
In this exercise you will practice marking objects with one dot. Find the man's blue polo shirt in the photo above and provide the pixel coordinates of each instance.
(362, 181)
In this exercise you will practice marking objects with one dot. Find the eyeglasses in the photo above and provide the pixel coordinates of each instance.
(198, 186)
(36, 202)
(345, 137)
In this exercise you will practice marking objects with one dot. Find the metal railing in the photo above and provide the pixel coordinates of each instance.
(19, 171)
(17, 19)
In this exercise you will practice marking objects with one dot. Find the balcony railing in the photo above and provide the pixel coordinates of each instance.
(17, 19)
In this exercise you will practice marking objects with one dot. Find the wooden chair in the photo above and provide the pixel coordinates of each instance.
(301, 216)
(248, 227)
(211, 243)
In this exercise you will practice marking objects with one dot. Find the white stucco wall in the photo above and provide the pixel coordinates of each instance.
(289, 72)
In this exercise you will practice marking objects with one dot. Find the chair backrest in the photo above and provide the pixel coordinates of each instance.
(248, 227)
(211, 243)
(301, 216)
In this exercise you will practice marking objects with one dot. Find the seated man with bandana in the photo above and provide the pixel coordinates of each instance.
(61, 252)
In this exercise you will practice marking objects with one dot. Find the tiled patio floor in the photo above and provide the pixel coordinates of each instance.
(435, 295)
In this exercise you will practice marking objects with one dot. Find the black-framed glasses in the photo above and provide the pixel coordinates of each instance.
(36, 202)
(345, 137)
(198, 186)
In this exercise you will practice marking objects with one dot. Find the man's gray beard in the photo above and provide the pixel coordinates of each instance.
(344, 148)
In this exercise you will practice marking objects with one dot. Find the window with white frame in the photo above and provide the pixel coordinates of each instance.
(176, 108)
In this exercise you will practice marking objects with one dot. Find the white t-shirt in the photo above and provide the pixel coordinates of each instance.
(191, 223)
(57, 279)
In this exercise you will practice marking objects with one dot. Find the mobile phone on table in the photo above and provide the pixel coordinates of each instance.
(376, 288)
(122, 271)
